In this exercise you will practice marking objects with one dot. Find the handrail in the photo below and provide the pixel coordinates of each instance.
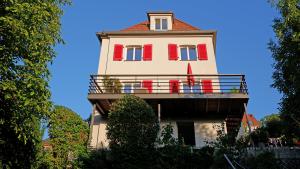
(229, 162)
(220, 83)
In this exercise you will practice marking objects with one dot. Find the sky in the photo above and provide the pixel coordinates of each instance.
(244, 29)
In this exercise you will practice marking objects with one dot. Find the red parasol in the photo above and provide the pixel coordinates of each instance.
(190, 76)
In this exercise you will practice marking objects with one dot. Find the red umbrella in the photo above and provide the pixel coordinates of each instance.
(190, 77)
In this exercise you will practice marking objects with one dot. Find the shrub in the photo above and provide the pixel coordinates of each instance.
(132, 130)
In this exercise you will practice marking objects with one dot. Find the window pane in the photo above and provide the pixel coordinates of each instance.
(183, 52)
(137, 85)
(196, 88)
(192, 53)
(129, 54)
(138, 54)
(186, 88)
(157, 23)
(164, 24)
(127, 88)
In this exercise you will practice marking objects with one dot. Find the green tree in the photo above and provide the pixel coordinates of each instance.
(285, 51)
(274, 125)
(68, 136)
(29, 30)
(132, 130)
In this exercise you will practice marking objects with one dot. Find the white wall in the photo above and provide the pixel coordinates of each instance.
(160, 63)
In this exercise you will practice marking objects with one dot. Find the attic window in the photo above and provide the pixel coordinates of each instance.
(161, 24)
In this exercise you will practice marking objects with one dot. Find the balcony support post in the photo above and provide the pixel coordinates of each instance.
(158, 112)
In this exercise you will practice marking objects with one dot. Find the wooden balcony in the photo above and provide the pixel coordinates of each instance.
(223, 98)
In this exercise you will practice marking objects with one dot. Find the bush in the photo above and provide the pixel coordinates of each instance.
(132, 130)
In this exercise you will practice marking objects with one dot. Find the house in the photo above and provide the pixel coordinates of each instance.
(172, 66)
(250, 121)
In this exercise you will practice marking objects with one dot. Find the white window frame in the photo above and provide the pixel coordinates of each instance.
(160, 27)
(188, 52)
(134, 48)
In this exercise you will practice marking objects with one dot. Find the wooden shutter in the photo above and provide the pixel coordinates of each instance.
(174, 86)
(118, 52)
(173, 54)
(202, 52)
(148, 85)
(207, 86)
(147, 54)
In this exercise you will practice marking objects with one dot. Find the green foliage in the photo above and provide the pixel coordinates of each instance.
(260, 135)
(274, 125)
(226, 143)
(261, 161)
(285, 51)
(112, 85)
(68, 137)
(28, 32)
(97, 159)
(132, 130)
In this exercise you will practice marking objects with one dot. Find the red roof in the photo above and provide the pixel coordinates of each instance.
(251, 118)
(178, 25)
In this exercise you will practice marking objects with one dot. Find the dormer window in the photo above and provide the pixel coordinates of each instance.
(161, 24)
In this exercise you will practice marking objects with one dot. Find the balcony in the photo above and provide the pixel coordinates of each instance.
(189, 97)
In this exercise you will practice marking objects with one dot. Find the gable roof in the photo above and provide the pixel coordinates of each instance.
(255, 123)
(178, 25)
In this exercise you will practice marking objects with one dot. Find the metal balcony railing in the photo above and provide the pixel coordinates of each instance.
(157, 84)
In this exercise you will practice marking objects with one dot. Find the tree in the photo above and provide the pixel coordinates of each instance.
(274, 125)
(68, 137)
(29, 30)
(132, 130)
(285, 51)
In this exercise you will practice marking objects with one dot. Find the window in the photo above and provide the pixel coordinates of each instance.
(191, 89)
(127, 88)
(161, 24)
(186, 131)
(132, 87)
(134, 53)
(188, 53)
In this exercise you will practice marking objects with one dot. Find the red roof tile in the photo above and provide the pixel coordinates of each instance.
(178, 25)
(251, 118)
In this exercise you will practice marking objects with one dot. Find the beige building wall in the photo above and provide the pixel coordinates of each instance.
(160, 63)
(205, 131)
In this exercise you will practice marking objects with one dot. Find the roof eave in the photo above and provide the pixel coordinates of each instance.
(104, 35)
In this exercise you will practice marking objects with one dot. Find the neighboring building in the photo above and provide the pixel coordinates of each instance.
(253, 123)
(172, 66)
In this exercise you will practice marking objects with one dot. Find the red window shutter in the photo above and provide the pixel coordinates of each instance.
(147, 55)
(148, 85)
(207, 86)
(174, 86)
(118, 52)
(173, 55)
(202, 52)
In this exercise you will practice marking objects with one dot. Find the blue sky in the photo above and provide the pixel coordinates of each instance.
(243, 31)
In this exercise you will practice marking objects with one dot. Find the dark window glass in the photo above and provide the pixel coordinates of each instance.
(157, 24)
(129, 54)
(186, 88)
(183, 52)
(164, 24)
(127, 88)
(138, 54)
(192, 53)
(196, 88)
